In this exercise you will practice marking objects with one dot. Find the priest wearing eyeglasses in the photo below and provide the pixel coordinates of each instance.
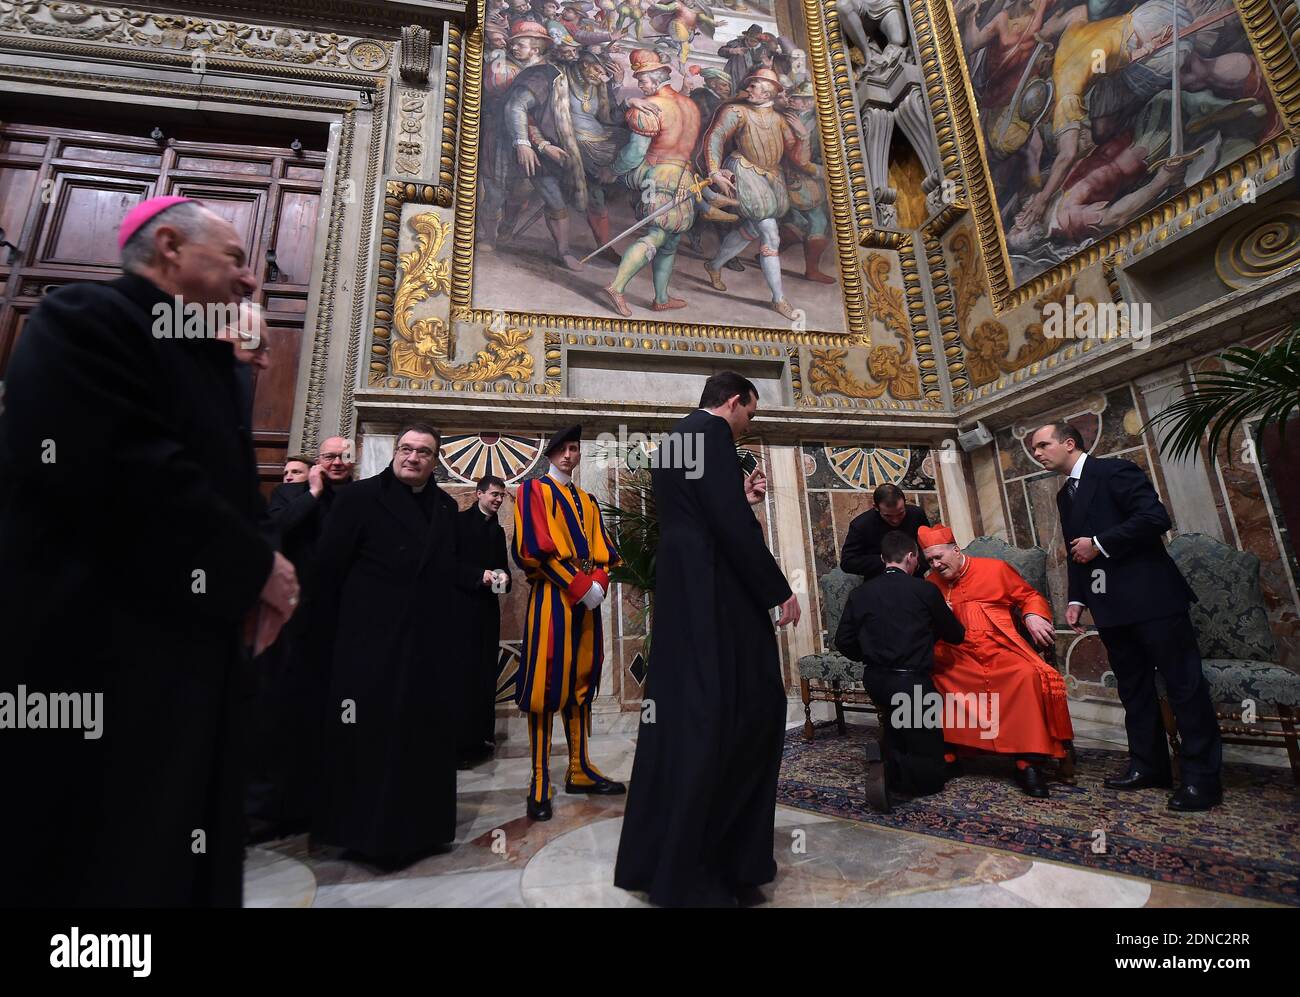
(390, 599)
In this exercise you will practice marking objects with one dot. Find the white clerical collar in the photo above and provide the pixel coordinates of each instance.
(419, 488)
(559, 475)
(1076, 472)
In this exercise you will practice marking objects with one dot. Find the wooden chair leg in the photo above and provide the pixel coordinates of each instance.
(809, 732)
(1175, 745)
(1287, 717)
(839, 711)
(1065, 769)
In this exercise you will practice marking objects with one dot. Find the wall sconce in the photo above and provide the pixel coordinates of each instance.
(157, 135)
(272, 269)
(296, 146)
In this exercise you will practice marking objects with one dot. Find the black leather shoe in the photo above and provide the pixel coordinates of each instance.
(877, 787)
(603, 787)
(1189, 798)
(539, 811)
(749, 896)
(1135, 779)
(1032, 782)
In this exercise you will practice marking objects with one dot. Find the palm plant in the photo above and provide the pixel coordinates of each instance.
(1254, 384)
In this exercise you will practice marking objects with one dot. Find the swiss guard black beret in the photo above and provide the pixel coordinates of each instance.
(563, 436)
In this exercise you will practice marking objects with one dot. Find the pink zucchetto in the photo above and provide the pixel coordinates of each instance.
(142, 213)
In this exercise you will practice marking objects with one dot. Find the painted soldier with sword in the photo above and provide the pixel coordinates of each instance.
(657, 161)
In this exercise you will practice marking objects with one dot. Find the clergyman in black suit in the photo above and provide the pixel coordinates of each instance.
(891, 624)
(861, 554)
(1119, 570)
(290, 684)
(483, 545)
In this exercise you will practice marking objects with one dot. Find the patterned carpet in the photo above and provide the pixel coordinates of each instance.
(1249, 847)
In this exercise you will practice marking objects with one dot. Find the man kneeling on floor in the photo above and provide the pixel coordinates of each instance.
(891, 624)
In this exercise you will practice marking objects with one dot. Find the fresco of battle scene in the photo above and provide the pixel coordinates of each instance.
(1086, 123)
(653, 159)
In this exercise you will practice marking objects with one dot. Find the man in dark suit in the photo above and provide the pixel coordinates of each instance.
(132, 567)
(483, 543)
(387, 612)
(1119, 570)
(290, 685)
(891, 624)
(698, 830)
(861, 555)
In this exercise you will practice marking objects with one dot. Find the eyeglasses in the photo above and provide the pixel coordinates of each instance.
(424, 453)
(330, 458)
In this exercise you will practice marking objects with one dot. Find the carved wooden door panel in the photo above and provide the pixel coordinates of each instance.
(65, 190)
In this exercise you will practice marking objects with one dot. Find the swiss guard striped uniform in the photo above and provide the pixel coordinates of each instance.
(561, 544)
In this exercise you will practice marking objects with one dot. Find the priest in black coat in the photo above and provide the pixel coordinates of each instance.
(290, 682)
(484, 545)
(131, 567)
(702, 802)
(389, 613)
(890, 512)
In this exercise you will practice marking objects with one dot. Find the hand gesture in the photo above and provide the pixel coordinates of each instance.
(527, 157)
(755, 486)
(789, 612)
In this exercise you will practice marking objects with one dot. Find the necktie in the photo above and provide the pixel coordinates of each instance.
(1072, 486)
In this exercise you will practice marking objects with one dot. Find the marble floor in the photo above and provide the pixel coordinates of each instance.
(501, 859)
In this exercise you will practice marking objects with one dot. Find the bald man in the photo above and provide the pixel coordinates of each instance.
(137, 597)
(290, 686)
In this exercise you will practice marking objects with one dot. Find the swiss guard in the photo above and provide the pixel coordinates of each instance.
(561, 544)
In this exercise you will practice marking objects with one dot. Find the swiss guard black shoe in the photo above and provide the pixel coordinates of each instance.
(1135, 779)
(539, 811)
(1031, 782)
(601, 787)
(1190, 798)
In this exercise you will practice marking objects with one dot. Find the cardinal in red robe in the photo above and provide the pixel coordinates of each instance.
(1014, 702)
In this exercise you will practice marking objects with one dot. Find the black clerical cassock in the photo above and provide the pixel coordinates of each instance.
(129, 557)
(389, 613)
(484, 545)
(702, 800)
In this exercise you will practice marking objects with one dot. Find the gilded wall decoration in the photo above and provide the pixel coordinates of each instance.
(425, 346)
(892, 366)
(1259, 246)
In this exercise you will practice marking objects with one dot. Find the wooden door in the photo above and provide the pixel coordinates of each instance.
(65, 188)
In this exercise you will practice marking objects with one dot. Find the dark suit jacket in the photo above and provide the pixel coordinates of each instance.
(1117, 504)
(483, 546)
(861, 554)
(892, 622)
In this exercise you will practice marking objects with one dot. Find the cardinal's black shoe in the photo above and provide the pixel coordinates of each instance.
(1136, 779)
(749, 896)
(1189, 798)
(1031, 781)
(602, 787)
(539, 811)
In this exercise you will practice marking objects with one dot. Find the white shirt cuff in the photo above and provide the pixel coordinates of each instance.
(1099, 547)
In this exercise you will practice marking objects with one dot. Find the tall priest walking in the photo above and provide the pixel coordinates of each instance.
(698, 830)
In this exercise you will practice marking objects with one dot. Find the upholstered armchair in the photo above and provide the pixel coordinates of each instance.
(830, 677)
(1238, 653)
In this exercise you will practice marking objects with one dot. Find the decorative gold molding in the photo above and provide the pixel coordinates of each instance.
(450, 106)
(953, 102)
(945, 307)
(796, 374)
(837, 180)
(927, 365)
(846, 101)
(409, 151)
